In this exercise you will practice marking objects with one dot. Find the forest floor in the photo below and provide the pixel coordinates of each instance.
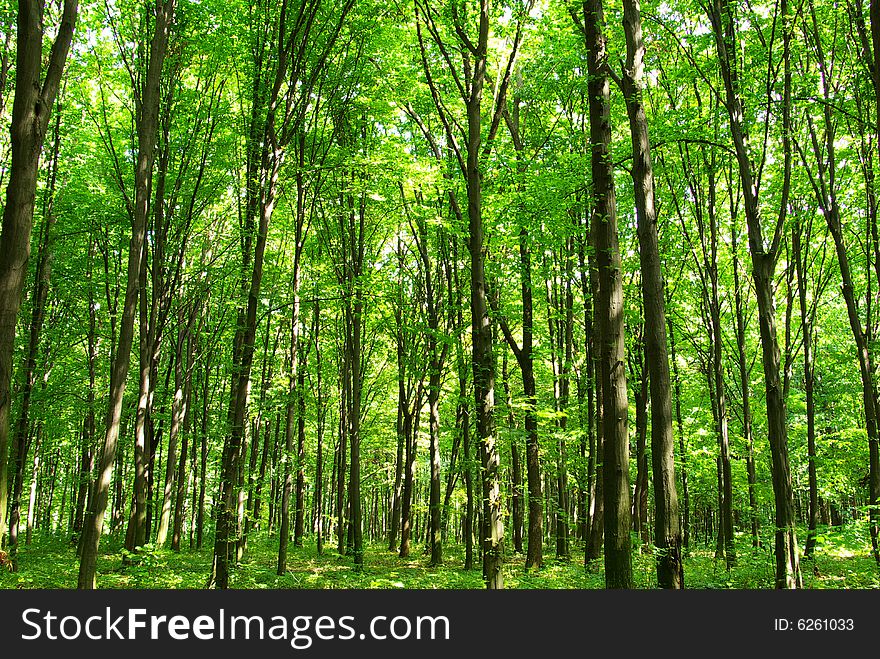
(842, 560)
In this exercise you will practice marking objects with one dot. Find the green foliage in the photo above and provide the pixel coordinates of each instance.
(842, 560)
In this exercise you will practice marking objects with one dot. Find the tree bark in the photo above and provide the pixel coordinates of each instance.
(147, 125)
(667, 530)
(764, 260)
(609, 307)
(686, 519)
(182, 482)
(39, 297)
(745, 392)
(825, 187)
(31, 111)
(515, 467)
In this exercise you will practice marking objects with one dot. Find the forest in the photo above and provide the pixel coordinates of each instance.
(439, 294)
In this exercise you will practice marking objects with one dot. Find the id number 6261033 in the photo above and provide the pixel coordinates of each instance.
(813, 624)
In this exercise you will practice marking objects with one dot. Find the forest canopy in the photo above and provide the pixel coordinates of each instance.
(386, 294)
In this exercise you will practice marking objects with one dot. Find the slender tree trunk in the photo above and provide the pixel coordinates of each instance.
(763, 270)
(667, 530)
(299, 520)
(203, 453)
(806, 331)
(38, 313)
(434, 503)
(609, 304)
(31, 110)
(264, 461)
(319, 455)
(340, 466)
(745, 393)
(406, 517)
(717, 362)
(640, 490)
(292, 393)
(592, 541)
(560, 323)
(525, 359)
(137, 534)
(397, 491)
(147, 125)
(87, 458)
(355, 325)
(178, 410)
(433, 291)
(597, 524)
(463, 426)
(32, 495)
(481, 332)
(515, 466)
(686, 496)
(825, 186)
(182, 482)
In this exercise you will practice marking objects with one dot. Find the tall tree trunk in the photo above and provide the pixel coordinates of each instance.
(764, 260)
(39, 297)
(515, 466)
(825, 187)
(717, 365)
(32, 494)
(406, 516)
(31, 110)
(397, 491)
(806, 329)
(319, 455)
(203, 452)
(261, 476)
(147, 126)
(178, 411)
(87, 457)
(525, 359)
(341, 462)
(640, 487)
(596, 467)
(745, 392)
(463, 427)
(138, 521)
(290, 420)
(355, 327)
(300, 506)
(483, 362)
(686, 496)
(667, 530)
(609, 305)
(300, 368)
(180, 499)
(434, 503)
(433, 292)
(559, 300)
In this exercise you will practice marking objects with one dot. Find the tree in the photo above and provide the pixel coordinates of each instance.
(290, 57)
(764, 257)
(35, 93)
(470, 88)
(147, 117)
(609, 308)
(670, 573)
